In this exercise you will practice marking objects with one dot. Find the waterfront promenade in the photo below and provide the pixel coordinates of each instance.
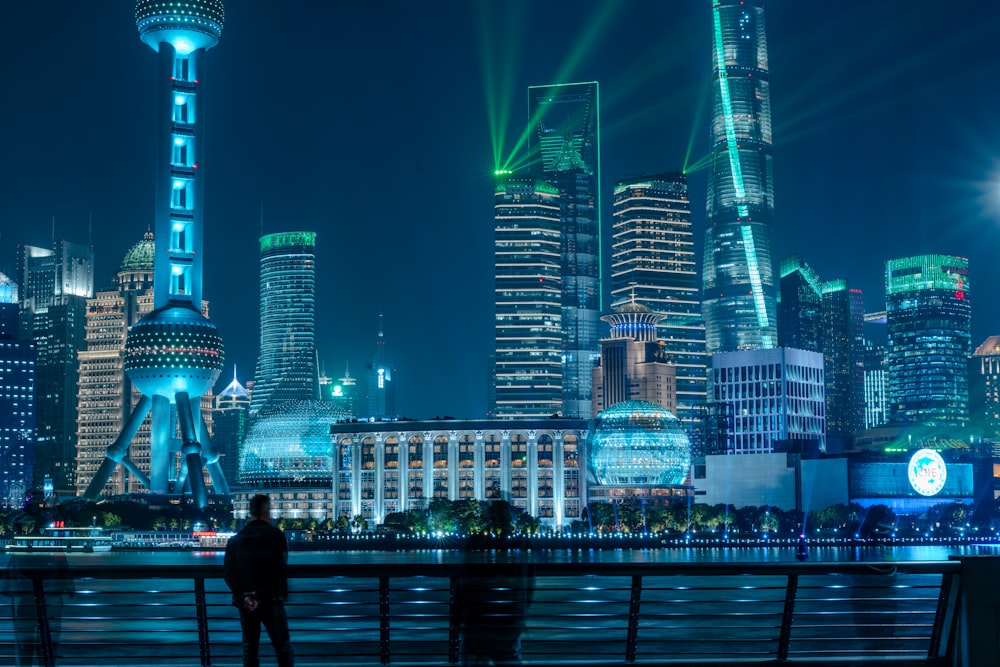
(399, 609)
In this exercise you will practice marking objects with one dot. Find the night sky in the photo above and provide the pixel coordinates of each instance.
(369, 123)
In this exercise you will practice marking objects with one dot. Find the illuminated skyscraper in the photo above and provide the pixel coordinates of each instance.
(230, 426)
(17, 420)
(287, 368)
(381, 382)
(800, 306)
(928, 320)
(528, 294)
(876, 385)
(843, 360)
(9, 308)
(173, 355)
(565, 151)
(653, 260)
(738, 283)
(55, 286)
(984, 388)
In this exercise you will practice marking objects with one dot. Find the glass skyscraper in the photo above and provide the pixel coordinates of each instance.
(843, 359)
(738, 282)
(528, 368)
(800, 306)
(287, 368)
(565, 151)
(928, 319)
(653, 259)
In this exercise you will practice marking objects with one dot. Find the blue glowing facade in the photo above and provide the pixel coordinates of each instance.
(565, 147)
(290, 446)
(928, 316)
(173, 355)
(17, 420)
(287, 368)
(738, 283)
(637, 443)
(381, 382)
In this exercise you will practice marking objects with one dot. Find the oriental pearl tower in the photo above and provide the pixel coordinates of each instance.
(174, 355)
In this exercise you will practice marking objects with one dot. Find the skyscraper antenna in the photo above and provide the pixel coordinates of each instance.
(53, 231)
(90, 229)
(262, 218)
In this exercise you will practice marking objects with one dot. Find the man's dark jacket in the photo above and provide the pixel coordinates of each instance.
(256, 562)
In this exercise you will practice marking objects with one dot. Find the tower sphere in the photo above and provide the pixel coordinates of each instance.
(638, 443)
(187, 25)
(173, 349)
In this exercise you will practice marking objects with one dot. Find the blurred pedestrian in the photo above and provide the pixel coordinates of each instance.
(255, 568)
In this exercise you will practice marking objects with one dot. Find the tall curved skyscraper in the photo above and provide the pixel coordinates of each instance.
(286, 368)
(738, 298)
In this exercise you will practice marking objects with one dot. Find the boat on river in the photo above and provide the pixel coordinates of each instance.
(61, 539)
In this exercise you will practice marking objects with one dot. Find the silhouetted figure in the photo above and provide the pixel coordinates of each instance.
(24, 612)
(255, 569)
(493, 597)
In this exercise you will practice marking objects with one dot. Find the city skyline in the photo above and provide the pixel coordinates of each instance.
(881, 152)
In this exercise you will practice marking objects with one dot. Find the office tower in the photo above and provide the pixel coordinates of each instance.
(9, 308)
(928, 320)
(381, 383)
(800, 306)
(738, 299)
(527, 368)
(773, 395)
(287, 367)
(173, 355)
(653, 258)
(843, 359)
(343, 393)
(876, 385)
(634, 364)
(17, 421)
(984, 388)
(565, 151)
(230, 425)
(106, 395)
(55, 286)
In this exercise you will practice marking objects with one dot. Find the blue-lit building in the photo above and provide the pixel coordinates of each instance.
(738, 300)
(928, 318)
(843, 361)
(174, 354)
(876, 388)
(653, 263)
(55, 286)
(343, 392)
(9, 308)
(230, 426)
(638, 450)
(565, 152)
(800, 306)
(287, 366)
(527, 365)
(17, 420)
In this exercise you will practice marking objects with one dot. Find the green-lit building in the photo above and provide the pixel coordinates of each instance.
(928, 317)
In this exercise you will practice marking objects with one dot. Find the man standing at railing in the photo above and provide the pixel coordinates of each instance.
(255, 568)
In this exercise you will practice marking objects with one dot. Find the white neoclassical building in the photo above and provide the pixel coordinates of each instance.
(385, 467)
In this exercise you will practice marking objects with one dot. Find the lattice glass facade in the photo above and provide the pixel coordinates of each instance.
(286, 368)
(843, 358)
(928, 320)
(653, 258)
(17, 420)
(772, 396)
(738, 283)
(637, 443)
(800, 306)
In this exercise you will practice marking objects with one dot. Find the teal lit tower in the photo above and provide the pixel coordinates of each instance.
(928, 316)
(738, 299)
(173, 355)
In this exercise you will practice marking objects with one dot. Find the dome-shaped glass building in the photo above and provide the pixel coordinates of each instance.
(637, 443)
(290, 446)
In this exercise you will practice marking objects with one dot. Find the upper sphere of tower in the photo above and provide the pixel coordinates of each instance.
(173, 349)
(188, 25)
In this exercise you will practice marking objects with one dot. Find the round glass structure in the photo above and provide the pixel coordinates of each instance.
(173, 349)
(290, 445)
(187, 25)
(637, 443)
(140, 256)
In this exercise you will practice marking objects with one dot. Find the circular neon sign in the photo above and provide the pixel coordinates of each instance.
(927, 472)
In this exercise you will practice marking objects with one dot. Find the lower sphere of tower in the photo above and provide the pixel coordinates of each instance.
(173, 349)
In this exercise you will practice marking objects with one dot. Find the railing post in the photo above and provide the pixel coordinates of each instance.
(784, 638)
(44, 630)
(633, 619)
(453, 622)
(383, 620)
(944, 616)
(201, 610)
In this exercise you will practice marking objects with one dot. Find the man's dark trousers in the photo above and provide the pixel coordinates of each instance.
(272, 616)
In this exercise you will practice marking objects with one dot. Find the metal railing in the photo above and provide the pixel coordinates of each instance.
(581, 613)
